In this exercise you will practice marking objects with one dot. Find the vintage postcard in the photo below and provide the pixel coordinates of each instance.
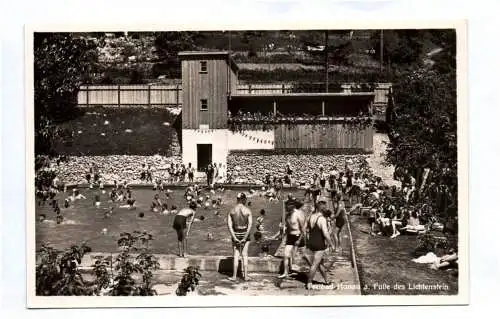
(291, 165)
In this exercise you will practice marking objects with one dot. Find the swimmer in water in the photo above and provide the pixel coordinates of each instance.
(76, 195)
(156, 204)
(97, 201)
(120, 196)
(130, 204)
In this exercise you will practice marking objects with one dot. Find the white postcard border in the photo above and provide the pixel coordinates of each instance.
(461, 298)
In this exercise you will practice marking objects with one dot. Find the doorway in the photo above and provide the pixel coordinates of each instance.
(204, 152)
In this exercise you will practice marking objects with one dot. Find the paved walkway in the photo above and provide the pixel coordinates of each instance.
(340, 272)
(376, 159)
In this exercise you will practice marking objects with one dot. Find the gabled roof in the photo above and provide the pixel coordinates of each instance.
(215, 55)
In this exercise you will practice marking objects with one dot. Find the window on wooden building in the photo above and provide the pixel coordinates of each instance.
(203, 67)
(204, 105)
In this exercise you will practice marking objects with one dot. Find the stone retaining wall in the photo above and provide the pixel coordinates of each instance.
(252, 167)
(113, 167)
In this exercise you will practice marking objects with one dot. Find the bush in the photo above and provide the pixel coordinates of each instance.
(123, 283)
(58, 274)
(189, 281)
(44, 178)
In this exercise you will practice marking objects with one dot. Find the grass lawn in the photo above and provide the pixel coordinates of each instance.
(89, 222)
(148, 136)
(382, 260)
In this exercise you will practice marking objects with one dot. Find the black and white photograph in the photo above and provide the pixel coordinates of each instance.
(314, 166)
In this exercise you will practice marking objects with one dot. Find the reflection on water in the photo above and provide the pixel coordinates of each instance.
(50, 222)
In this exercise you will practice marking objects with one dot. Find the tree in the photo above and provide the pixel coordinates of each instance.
(338, 50)
(423, 130)
(446, 60)
(401, 47)
(251, 40)
(62, 63)
(168, 45)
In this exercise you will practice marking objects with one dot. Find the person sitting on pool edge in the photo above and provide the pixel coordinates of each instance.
(182, 226)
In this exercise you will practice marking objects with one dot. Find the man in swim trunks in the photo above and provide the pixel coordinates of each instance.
(181, 224)
(239, 222)
(295, 221)
(318, 236)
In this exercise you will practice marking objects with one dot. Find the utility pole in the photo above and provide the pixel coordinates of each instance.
(326, 60)
(229, 88)
(381, 50)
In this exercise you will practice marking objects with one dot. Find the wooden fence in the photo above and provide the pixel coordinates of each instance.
(130, 95)
(153, 95)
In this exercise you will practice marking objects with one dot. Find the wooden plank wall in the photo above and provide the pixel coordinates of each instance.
(311, 136)
(211, 86)
(127, 95)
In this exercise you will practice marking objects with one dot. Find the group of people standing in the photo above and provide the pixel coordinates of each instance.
(215, 174)
(320, 230)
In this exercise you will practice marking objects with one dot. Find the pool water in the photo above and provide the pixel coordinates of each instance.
(83, 222)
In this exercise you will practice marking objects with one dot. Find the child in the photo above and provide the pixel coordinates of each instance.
(149, 176)
(190, 172)
(76, 195)
(259, 226)
(101, 186)
(57, 210)
(130, 204)
(97, 201)
(113, 195)
(372, 219)
(260, 221)
(88, 177)
(120, 196)
(156, 204)
(108, 214)
(143, 172)
(164, 210)
(173, 210)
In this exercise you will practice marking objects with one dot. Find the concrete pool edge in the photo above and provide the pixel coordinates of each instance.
(205, 263)
(183, 186)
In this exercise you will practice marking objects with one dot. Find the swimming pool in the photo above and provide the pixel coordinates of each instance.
(83, 222)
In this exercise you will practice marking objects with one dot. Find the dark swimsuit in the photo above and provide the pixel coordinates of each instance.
(316, 238)
(180, 224)
(240, 233)
(340, 220)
